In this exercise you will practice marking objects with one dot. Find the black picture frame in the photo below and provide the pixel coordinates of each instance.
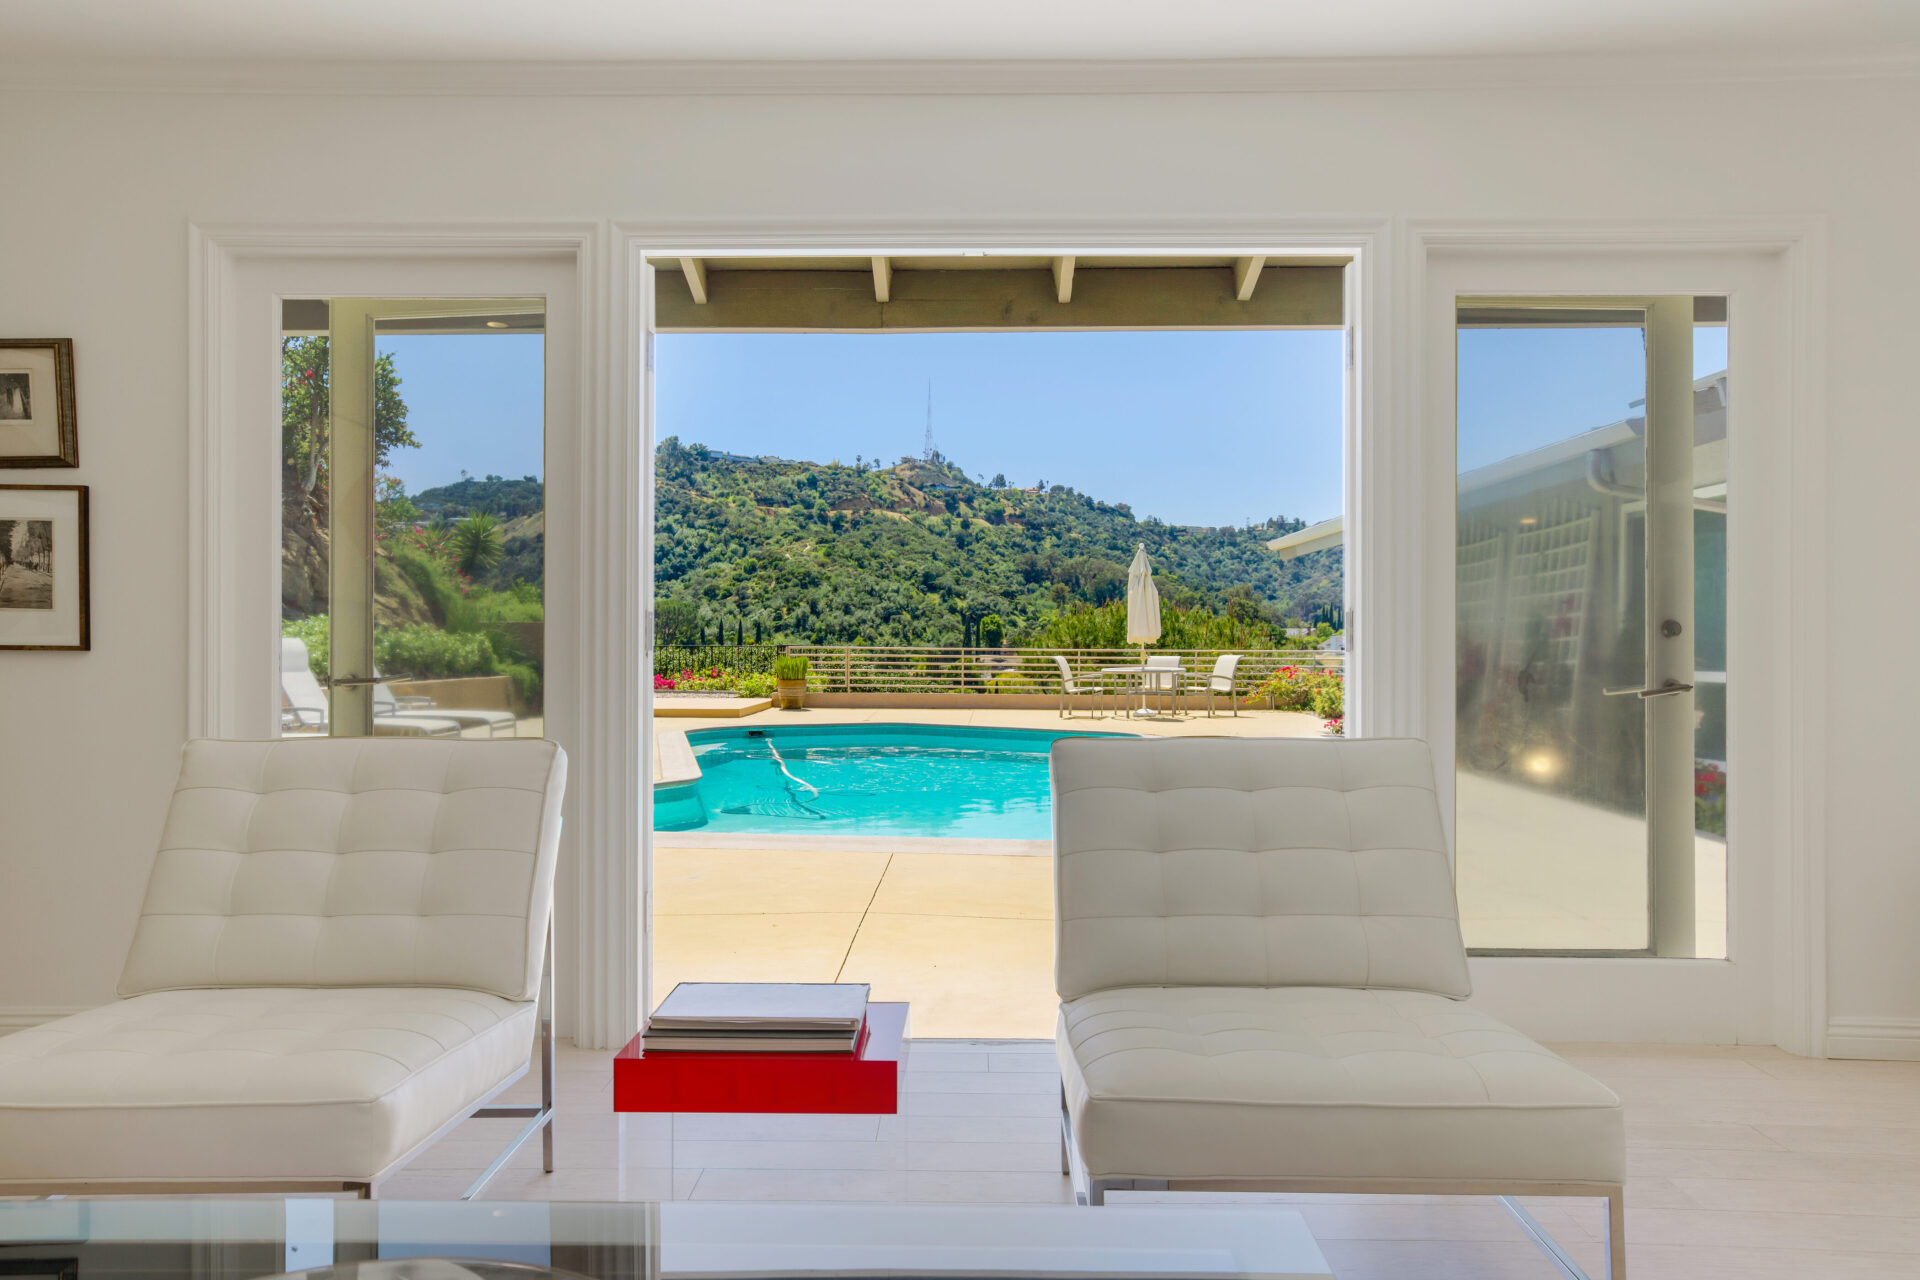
(83, 629)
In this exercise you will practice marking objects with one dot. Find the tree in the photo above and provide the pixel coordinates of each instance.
(999, 480)
(676, 622)
(476, 544)
(306, 413)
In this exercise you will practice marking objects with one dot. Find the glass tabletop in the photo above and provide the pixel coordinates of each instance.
(240, 1238)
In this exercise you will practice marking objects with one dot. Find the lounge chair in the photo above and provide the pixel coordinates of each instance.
(1071, 684)
(391, 706)
(304, 703)
(1262, 988)
(1221, 681)
(343, 954)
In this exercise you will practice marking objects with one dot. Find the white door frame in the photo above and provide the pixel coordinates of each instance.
(237, 276)
(1380, 701)
(1772, 988)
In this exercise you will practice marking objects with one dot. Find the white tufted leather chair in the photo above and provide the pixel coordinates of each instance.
(343, 953)
(1260, 970)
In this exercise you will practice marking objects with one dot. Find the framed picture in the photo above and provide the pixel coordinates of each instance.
(38, 427)
(43, 567)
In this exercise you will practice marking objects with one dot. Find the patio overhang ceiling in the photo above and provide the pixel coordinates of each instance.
(916, 293)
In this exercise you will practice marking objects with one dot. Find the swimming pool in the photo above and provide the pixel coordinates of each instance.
(867, 780)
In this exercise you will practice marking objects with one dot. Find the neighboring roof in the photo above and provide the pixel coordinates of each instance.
(1709, 403)
(1315, 537)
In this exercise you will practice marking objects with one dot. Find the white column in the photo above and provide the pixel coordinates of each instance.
(1669, 622)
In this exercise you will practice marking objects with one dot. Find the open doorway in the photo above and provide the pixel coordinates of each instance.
(917, 491)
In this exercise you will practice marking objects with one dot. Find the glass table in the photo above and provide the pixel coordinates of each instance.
(241, 1238)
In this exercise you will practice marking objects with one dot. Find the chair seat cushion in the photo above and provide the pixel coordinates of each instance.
(250, 1084)
(1328, 1084)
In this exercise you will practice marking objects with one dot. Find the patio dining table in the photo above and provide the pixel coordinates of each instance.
(1143, 671)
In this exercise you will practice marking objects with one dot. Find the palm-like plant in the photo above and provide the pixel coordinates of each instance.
(477, 544)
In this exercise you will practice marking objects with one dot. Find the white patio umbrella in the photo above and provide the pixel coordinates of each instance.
(1143, 612)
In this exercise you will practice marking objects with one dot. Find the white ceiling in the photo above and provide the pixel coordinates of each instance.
(608, 30)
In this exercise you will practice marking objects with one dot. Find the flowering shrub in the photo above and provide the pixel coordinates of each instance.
(1307, 689)
(749, 684)
(1709, 798)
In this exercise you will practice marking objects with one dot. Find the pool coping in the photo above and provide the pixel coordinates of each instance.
(751, 842)
(677, 763)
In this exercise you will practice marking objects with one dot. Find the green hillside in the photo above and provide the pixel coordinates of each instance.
(786, 551)
(917, 552)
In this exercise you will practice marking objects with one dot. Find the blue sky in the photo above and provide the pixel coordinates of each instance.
(1197, 428)
(473, 402)
(1523, 388)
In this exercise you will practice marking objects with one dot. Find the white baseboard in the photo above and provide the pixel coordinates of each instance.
(1897, 1039)
(19, 1017)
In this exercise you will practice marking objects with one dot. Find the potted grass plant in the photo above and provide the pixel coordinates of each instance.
(790, 682)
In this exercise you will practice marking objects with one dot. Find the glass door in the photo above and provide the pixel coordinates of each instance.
(1590, 625)
(412, 517)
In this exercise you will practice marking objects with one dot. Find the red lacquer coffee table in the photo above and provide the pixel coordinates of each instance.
(864, 1083)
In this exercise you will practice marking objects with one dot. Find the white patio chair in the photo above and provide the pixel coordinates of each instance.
(1072, 685)
(1261, 981)
(343, 954)
(1163, 676)
(1221, 681)
(304, 703)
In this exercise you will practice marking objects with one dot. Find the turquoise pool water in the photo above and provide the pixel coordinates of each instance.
(867, 780)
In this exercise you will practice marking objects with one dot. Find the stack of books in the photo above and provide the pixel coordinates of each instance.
(758, 1017)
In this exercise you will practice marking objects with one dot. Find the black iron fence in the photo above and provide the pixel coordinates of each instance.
(672, 659)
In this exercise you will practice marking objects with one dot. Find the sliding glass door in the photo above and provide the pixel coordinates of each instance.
(412, 517)
(1590, 587)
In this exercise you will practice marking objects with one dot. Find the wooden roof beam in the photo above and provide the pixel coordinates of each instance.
(882, 279)
(1246, 274)
(696, 273)
(1063, 278)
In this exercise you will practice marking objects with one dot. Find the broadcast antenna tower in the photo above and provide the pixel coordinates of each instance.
(927, 451)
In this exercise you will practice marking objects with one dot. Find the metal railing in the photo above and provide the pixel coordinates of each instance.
(948, 670)
(672, 659)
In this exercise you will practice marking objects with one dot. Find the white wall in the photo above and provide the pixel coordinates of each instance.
(100, 188)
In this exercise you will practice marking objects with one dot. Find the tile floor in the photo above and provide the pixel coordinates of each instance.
(1741, 1162)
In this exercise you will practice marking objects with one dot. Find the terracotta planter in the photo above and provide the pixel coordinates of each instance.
(790, 695)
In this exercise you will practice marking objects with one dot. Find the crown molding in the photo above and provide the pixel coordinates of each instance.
(943, 78)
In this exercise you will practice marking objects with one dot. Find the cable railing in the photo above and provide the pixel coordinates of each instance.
(908, 669)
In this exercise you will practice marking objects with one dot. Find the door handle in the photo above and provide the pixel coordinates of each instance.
(1668, 689)
(355, 682)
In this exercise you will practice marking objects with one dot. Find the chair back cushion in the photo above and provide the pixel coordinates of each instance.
(354, 862)
(1251, 862)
